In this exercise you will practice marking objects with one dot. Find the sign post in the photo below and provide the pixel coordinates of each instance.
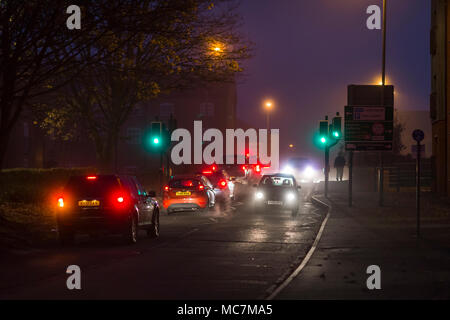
(418, 135)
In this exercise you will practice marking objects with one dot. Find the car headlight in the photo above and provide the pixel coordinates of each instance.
(290, 196)
(288, 170)
(309, 172)
(259, 195)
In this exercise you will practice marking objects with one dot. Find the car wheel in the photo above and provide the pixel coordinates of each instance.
(153, 231)
(66, 236)
(131, 230)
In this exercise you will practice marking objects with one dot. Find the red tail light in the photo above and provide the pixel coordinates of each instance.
(166, 188)
(223, 184)
(201, 187)
(120, 199)
(244, 168)
(214, 168)
(258, 168)
(61, 202)
(207, 172)
(91, 177)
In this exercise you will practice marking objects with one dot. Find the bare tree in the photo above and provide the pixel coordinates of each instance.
(163, 45)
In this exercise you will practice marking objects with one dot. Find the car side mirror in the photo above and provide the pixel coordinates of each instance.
(151, 194)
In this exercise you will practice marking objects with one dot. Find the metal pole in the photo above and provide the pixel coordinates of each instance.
(350, 179)
(327, 168)
(383, 83)
(418, 188)
(161, 175)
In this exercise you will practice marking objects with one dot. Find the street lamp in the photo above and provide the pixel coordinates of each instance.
(268, 105)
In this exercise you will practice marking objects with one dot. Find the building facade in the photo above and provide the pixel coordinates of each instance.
(213, 104)
(439, 98)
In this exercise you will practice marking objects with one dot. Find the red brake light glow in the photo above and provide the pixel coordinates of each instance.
(258, 168)
(61, 202)
(207, 172)
(222, 183)
(201, 187)
(120, 199)
(91, 177)
(166, 188)
(214, 168)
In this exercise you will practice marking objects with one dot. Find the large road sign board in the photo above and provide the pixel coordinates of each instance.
(369, 128)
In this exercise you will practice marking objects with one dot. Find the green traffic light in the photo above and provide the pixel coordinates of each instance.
(336, 134)
(156, 141)
(323, 140)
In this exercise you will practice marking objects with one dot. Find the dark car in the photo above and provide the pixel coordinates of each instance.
(277, 191)
(222, 185)
(106, 204)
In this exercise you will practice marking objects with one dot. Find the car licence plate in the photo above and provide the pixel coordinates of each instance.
(277, 203)
(88, 203)
(183, 193)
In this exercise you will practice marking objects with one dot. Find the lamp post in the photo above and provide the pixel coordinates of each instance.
(268, 105)
(383, 83)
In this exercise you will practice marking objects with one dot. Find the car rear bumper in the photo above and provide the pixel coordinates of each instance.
(100, 223)
(188, 203)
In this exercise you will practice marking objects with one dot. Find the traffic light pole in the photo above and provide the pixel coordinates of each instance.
(350, 179)
(327, 169)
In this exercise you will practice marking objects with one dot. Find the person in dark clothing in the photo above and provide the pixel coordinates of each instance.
(339, 164)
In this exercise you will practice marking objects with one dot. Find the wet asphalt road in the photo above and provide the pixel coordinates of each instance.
(234, 255)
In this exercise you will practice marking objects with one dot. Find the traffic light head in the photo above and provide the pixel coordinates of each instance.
(323, 132)
(337, 127)
(156, 133)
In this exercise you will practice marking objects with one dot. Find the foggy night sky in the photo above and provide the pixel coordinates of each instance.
(308, 51)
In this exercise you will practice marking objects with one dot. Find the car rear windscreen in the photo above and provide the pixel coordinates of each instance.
(91, 187)
(184, 183)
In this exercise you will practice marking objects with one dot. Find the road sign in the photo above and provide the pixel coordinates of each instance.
(369, 128)
(418, 135)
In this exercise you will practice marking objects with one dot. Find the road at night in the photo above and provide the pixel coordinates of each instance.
(214, 256)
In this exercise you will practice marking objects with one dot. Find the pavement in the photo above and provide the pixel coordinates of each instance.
(219, 255)
(364, 235)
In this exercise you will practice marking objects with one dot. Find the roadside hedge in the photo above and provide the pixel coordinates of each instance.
(25, 185)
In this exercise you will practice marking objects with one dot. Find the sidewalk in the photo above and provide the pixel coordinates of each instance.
(365, 235)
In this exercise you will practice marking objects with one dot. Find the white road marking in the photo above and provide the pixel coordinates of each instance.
(305, 261)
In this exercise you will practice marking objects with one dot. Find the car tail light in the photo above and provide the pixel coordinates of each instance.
(223, 184)
(120, 199)
(258, 168)
(91, 177)
(207, 172)
(214, 168)
(201, 187)
(244, 168)
(61, 202)
(166, 188)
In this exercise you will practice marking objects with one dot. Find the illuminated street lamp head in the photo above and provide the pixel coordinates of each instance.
(268, 105)
(291, 145)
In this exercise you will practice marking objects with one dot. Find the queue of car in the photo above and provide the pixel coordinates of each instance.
(118, 204)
